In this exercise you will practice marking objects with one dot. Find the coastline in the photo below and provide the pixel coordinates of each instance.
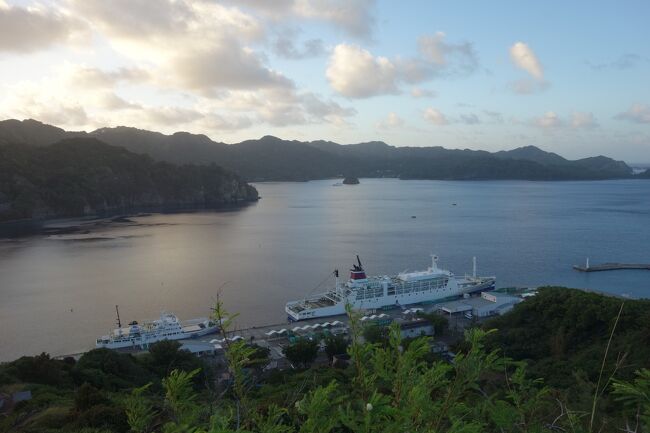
(61, 225)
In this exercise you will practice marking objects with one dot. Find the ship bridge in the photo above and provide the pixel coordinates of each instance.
(432, 272)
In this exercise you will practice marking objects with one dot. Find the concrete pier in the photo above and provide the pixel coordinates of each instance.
(611, 267)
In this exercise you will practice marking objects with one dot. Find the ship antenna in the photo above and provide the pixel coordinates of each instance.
(119, 323)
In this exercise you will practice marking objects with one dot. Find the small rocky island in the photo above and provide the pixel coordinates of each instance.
(351, 180)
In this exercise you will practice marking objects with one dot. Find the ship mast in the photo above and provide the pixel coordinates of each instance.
(474, 267)
(119, 323)
(434, 262)
(338, 287)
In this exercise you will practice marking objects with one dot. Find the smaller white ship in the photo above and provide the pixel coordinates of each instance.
(168, 327)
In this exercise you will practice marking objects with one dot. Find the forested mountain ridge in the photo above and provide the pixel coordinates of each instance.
(271, 158)
(83, 176)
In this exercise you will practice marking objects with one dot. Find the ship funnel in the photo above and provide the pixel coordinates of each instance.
(357, 272)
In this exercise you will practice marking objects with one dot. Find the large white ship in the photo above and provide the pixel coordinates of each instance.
(404, 288)
(168, 327)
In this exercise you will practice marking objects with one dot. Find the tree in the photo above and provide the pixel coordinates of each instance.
(259, 357)
(109, 370)
(336, 345)
(440, 323)
(87, 396)
(40, 369)
(376, 334)
(167, 355)
(302, 352)
(140, 412)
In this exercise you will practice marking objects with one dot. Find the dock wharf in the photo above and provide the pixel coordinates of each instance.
(610, 267)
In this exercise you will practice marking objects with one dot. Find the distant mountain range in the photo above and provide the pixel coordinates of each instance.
(273, 159)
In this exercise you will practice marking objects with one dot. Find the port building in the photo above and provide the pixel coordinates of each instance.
(488, 304)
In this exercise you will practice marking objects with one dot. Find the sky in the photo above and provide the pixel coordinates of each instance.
(569, 77)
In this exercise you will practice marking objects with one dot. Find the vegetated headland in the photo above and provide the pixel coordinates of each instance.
(84, 176)
(562, 360)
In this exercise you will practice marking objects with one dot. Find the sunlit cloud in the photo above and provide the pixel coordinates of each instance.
(435, 116)
(523, 57)
(418, 92)
(391, 121)
(549, 120)
(25, 30)
(356, 73)
(637, 113)
(583, 120)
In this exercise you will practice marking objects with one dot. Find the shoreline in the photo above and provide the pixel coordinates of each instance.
(258, 333)
(72, 224)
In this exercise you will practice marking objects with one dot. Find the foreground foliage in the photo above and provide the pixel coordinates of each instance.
(389, 386)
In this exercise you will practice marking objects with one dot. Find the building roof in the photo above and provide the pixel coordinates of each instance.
(21, 396)
(455, 307)
(197, 346)
(493, 300)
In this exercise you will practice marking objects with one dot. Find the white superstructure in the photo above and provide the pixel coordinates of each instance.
(168, 327)
(404, 288)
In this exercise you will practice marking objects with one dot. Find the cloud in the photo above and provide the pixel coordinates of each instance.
(418, 92)
(110, 101)
(91, 77)
(354, 72)
(494, 116)
(549, 120)
(391, 121)
(638, 113)
(43, 101)
(458, 58)
(355, 17)
(434, 116)
(284, 46)
(199, 46)
(524, 58)
(84, 98)
(437, 58)
(282, 107)
(625, 61)
(224, 65)
(171, 115)
(174, 21)
(216, 122)
(583, 120)
(24, 30)
(470, 119)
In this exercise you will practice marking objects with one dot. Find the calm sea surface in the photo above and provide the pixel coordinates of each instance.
(58, 293)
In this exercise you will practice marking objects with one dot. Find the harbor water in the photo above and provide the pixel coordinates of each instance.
(58, 291)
